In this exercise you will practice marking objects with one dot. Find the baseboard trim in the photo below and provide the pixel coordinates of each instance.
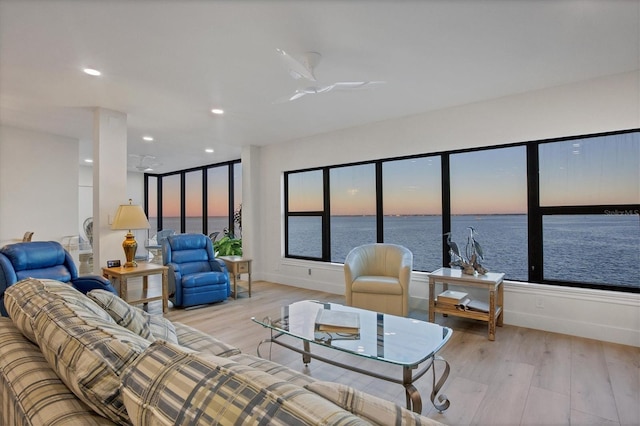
(589, 330)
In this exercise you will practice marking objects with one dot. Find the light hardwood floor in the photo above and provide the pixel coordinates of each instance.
(524, 377)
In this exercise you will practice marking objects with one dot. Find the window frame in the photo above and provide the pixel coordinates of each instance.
(535, 212)
(182, 174)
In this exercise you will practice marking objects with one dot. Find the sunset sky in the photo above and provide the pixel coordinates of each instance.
(603, 170)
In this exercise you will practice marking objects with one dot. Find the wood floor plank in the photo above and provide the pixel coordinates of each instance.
(546, 408)
(465, 396)
(585, 419)
(553, 369)
(623, 364)
(591, 390)
(506, 395)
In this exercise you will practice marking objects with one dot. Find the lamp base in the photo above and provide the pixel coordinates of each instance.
(130, 246)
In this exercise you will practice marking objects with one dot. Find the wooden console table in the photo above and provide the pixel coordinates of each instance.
(238, 265)
(491, 281)
(144, 269)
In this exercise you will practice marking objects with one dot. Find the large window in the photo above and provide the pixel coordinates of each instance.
(171, 205)
(353, 208)
(601, 170)
(564, 211)
(412, 200)
(193, 201)
(598, 249)
(181, 200)
(218, 200)
(589, 193)
(306, 207)
(152, 203)
(489, 194)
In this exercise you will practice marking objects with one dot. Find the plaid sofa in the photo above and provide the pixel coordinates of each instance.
(73, 359)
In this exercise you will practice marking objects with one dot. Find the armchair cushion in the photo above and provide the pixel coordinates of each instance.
(377, 277)
(203, 279)
(38, 259)
(45, 260)
(195, 276)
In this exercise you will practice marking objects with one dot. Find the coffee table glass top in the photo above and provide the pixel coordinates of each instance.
(397, 340)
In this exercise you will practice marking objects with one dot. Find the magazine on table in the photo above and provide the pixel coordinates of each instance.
(451, 297)
(338, 321)
(468, 304)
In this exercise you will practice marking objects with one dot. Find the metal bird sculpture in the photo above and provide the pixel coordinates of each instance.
(453, 247)
(473, 244)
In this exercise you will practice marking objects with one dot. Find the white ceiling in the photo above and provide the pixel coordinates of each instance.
(167, 63)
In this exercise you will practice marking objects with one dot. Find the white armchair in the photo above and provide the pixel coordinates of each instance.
(377, 278)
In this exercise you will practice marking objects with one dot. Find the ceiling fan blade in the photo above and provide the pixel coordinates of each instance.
(284, 99)
(350, 85)
(301, 69)
(297, 95)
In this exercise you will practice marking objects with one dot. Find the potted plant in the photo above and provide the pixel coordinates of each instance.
(229, 245)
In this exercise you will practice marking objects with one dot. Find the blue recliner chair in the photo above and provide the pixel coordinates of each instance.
(196, 277)
(43, 259)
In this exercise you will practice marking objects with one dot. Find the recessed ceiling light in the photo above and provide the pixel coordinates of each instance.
(217, 111)
(148, 138)
(209, 150)
(88, 160)
(91, 71)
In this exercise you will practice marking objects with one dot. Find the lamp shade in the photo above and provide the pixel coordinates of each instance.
(130, 216)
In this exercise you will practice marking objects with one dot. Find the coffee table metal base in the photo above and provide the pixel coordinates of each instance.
(413, 398)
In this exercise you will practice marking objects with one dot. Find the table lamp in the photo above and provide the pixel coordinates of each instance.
(130, 216)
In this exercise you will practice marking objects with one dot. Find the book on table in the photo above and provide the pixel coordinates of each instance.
(338, 321)
(451, 298)
(468, 304)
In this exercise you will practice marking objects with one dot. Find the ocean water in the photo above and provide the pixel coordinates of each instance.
(598, 249)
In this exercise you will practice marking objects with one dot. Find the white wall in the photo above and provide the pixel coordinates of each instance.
(605, 104)
(38, 185)
(44, 189)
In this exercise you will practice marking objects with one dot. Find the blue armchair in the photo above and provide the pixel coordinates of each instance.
(196, 277)
(43, 259)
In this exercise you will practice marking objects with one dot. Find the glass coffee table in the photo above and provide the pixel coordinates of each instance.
(409, 343)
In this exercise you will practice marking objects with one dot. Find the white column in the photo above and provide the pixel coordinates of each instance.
(250, 157)
(109, 183)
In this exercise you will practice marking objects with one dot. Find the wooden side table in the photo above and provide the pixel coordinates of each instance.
(491, 281)
(238, 265)
(121, 274)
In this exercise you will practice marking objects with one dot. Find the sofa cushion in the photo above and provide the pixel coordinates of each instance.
(170, 386)
(26, 298)
(31, 392)
(88, 354)
(372, 408)
(199, 341)
(151, 327)
(275, 369)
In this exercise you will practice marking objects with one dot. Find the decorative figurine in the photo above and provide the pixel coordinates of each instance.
(468, 261)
